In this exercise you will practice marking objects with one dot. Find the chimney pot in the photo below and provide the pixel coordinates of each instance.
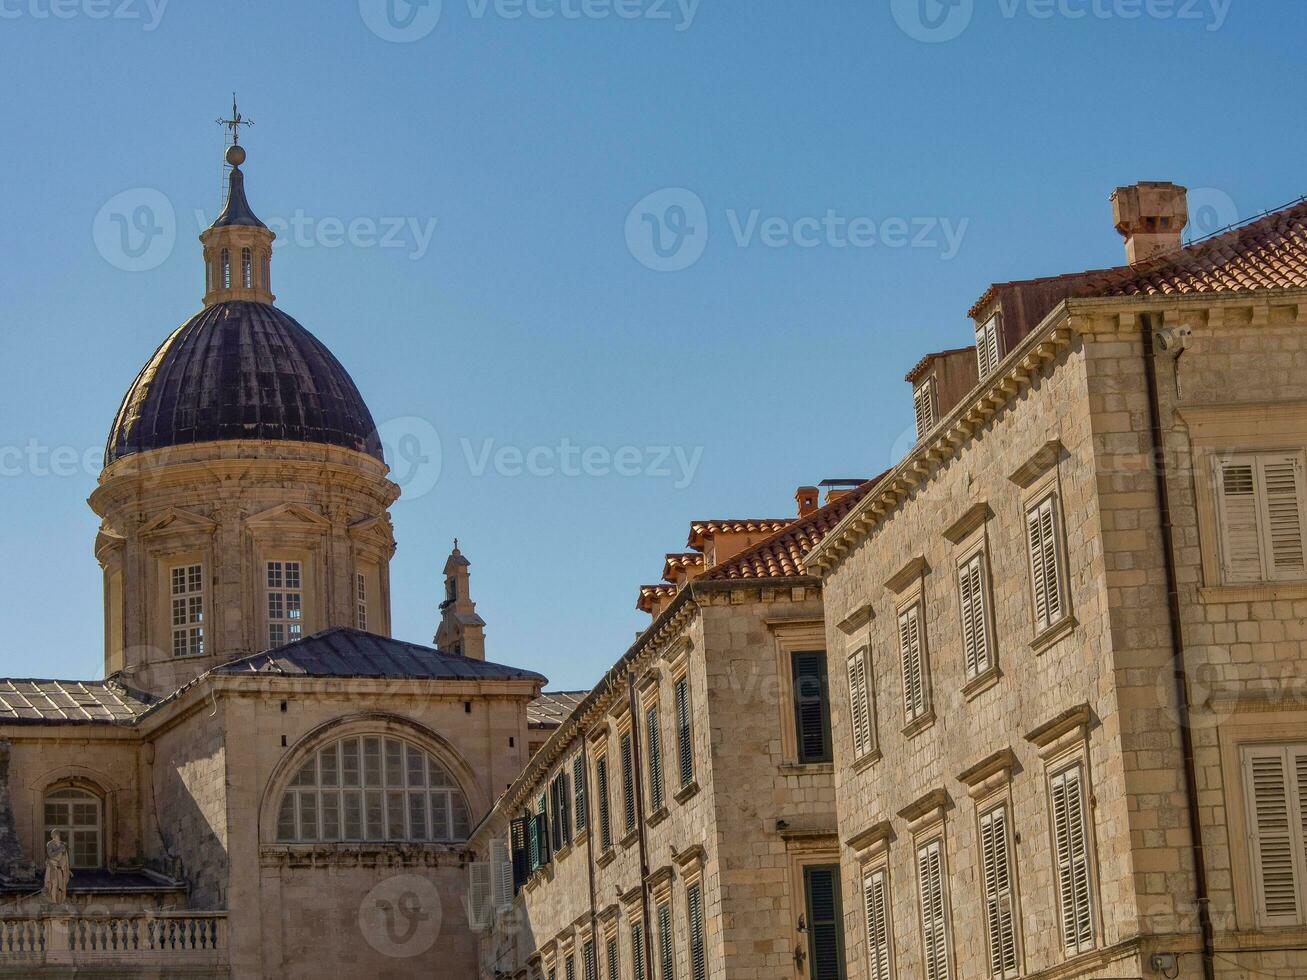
(1150, 216)
(806, 498)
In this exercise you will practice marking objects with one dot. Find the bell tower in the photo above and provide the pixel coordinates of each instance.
(461, 630)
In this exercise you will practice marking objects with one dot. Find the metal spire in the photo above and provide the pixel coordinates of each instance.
(235, 123)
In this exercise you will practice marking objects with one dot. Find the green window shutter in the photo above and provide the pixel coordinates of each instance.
(667, 965)
(825, 933)
(655, 750)
(811, 706)
(605, 817)
(637, 951)
(684, 742)
(578, 791)
(613, 964)
(628, 783)
(694, 908)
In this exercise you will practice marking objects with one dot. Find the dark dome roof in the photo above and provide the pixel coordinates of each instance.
(241, 370)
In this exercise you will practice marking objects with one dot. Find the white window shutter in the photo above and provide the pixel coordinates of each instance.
(916, 697)
(923, 405)
(1276, 792)
(975, 622)
(1282, 486)
(987, 352)
(1241, 552)
(501, 870)
(934, 922)
(1071, 843)
(1045, 573)
(479, 896)
(875, 897)
(860, 705)
(996, 878)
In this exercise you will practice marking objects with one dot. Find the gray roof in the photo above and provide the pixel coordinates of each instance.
(71, 702)
(344, 652)
(552, 708)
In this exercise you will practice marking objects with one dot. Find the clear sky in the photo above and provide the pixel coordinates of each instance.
(465, 224)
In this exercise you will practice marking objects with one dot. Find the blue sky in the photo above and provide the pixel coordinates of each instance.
(832, 185)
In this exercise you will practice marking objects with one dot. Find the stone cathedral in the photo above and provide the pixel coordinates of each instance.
(265, 783)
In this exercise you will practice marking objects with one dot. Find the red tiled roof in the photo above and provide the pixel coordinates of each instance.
(1269, 252)
(782, 554)
(689, 559)
(927, 358)
(649, 593)
(767, 525)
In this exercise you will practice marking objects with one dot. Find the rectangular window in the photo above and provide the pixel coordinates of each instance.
(916, 683)
(605, 817)
(1275, 788)
(821, 885)
(628, 783)
(1046, 579)
(924, 406)
(694, 913)
(285, 602)
(860, 714)
(666, 961)
(654, 749)
(361, 602)
(187, 588)
(1260, 511)
(614, 965)
(569, 969)
(996, 880)
(811, 705)
(934, 910)
(560, 811)
(1071, 847)
(875, 898)
(684, 739)
(578, 791)
(987, 347)
(589, 967)
(973, 585)
(637, 951)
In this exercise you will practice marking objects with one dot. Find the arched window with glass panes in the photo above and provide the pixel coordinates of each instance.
(78, 815)
(372, 788)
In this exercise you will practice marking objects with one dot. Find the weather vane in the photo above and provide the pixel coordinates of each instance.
(235, 122)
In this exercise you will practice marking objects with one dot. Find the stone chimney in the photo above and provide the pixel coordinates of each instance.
(1150, 216)
(806, 498)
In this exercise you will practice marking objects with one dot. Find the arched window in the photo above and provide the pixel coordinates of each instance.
(78, 816)
(372, 788)
(226, 269)
(267, 272)
(247, 267)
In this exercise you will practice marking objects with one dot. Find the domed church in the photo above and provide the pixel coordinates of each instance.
(265, 783)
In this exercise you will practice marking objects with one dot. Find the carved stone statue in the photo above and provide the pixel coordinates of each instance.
(57, 870)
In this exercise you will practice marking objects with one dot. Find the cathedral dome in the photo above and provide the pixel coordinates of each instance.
(241, 370)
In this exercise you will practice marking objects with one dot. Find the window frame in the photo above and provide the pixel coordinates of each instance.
(921, 843)
(1046, 491)
(986, 808)
(1053, 769)
(70, 794)
(837, 923)
(925, 405)
(799, 699)
(190, 630)
(989, 345)
(878, 954)
(293, 626)
(1257, 460)
(683, 718)
(862, 703)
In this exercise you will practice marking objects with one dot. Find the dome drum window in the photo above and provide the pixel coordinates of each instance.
(247, 268)
(372, 788)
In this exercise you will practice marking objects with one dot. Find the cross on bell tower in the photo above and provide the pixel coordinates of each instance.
(235, 123)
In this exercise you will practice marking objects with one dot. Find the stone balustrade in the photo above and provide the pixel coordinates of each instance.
(159, 939)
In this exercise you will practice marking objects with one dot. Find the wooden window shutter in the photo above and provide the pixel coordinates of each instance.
(501, 870)
(860, 705)
(605, 815)
(578, 791)
(589, 968)
(1275, 779)
(637, 951)
(655, 751)
(811, 705)
(934, 916)
(923, 406)
(916, 695)
(987, 346)
(628, 782)
(479, 894)
(1071, 843)
(1241, 549)
(975, 621)
(996, 879)
(1260, 507)
(694, 910)
(666, 961)
(825, 930)
(613, 963)
(1045, 573)
(684, 742)
(518, 830)
(875, 897)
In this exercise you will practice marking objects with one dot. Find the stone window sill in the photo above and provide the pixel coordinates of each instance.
(686, 792)
(657, 817)
(918, 725)
(579, 838)
(808, 769)
(606, 858)
(562, 852)
(981, 683)
(1253, 592)
(1051, 634)
(629, 839)
(867, 761)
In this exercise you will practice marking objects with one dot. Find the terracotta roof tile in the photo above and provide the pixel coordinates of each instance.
(688, 559)
(649, 594)
(782, 554)
(927, 358)
(767, 525)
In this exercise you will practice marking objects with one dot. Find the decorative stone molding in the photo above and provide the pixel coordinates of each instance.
(1044, 459)
(857, 619)
(989, 774)
(690, 861)
(926, 809)
(398, 854)
(909, 573)
(974, 516)
(1062, 731)
(873, 841)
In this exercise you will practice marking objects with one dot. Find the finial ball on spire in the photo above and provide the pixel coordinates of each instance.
(235, 154)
